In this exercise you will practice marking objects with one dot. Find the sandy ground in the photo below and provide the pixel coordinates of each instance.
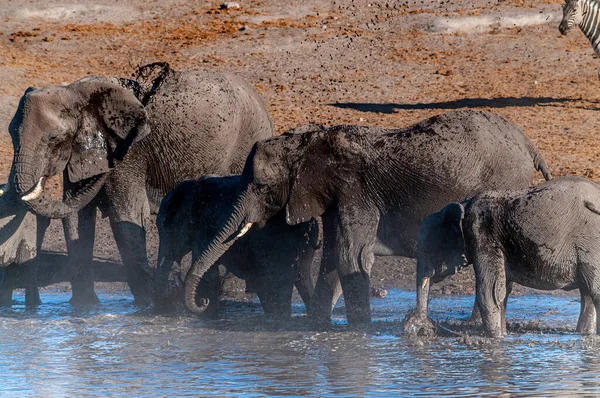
(385, 63)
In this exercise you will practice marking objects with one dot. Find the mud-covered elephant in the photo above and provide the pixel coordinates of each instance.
(121, 146)
(21, 234)
(372, 187)
(545, 237)
(270, 259)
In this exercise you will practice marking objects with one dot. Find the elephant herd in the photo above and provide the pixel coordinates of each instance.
(197, 149)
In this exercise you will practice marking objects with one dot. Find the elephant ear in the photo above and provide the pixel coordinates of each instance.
(90, 154)
(110, 123)
(329, 170)
(13, 127)
(122, 113)
(454, 214)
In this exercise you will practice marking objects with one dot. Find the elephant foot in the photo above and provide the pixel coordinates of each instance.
(142, 301)
(494, 334)
(356, 296)
(359, 318)
(475, 317)
(319, 322)
(6, 301)
(140, 287)
(6, 297)
(84, 299)
(33, 302)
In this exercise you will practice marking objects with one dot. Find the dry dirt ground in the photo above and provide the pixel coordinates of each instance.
(371, 62)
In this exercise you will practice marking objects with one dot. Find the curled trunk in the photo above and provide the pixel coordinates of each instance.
(234, 228)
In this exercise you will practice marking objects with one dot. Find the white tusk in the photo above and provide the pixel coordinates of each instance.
(425, 282)
(37, 191)
(5, 188)
(244, 230)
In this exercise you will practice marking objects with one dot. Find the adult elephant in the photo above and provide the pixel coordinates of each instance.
(126, 145)
(372, 187)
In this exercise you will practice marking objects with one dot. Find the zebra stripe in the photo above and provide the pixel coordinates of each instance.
(590, 23)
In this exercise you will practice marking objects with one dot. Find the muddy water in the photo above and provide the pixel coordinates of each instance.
(117, 351)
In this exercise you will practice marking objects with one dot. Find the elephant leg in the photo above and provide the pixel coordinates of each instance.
(131, 242)
(356, 237)
(275, 300)
(32, 291)
(304, 283)
(491, 289)
(129, 210)
(328, 288)
(587, 316)
(79, 234)
(7, 285)
(509, 286)
(475, 317)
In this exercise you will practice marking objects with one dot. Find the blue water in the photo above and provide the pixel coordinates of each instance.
(113, 350)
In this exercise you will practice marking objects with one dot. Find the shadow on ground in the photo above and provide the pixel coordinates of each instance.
(502, 102)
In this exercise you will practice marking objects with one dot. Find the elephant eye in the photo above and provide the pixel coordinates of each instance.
(52, 137)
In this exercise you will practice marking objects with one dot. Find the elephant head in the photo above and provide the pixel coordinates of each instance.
(176, 223)
(440, 250)
(83, 128)
(303, 174)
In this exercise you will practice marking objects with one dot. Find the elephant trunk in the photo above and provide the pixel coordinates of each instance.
(234, 228)
(31, 189)
(423, 286)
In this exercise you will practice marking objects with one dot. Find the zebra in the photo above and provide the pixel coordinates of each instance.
(586, 14)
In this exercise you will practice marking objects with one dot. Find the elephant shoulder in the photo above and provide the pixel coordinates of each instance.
(482, 213)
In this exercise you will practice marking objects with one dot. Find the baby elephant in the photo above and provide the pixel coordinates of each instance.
(545, 237)
(271, 259)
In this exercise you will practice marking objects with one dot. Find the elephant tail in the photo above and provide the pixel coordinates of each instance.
(539, 163)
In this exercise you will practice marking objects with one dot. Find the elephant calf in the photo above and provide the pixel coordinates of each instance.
(545, 237)
(271, 259)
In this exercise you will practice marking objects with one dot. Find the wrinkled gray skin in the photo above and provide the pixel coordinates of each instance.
(545, 237)
(372, 187)
(271, 259)
(123, 157)
(21, 234)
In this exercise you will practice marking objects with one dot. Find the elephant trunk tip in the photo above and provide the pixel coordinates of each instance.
(190, 299)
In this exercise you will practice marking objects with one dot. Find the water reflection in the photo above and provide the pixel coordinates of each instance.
(112, 349)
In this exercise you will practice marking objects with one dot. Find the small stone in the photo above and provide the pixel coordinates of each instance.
(244, 28)
(229, 5)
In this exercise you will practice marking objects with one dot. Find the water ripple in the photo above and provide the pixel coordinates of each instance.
(115, 350)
